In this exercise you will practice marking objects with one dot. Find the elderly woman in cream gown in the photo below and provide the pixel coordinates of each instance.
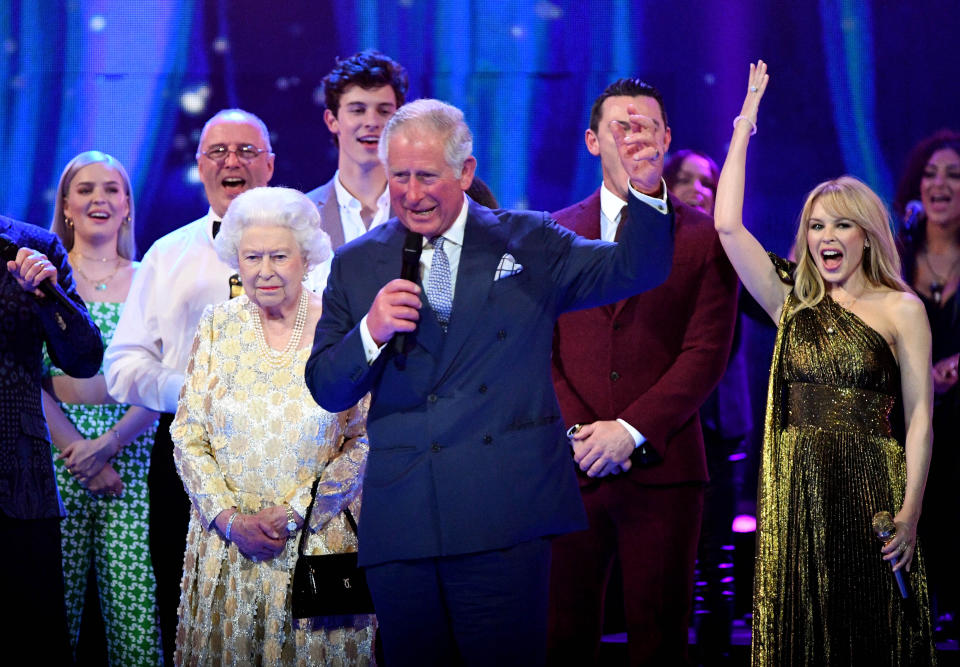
(250, 441)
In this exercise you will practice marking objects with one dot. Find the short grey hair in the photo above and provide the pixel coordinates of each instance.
(273, 207)
(435, 117)
(236, 116)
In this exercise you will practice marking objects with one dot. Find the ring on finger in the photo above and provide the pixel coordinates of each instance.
(753, 89)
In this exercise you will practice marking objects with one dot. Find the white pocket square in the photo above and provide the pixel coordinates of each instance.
(509, 266)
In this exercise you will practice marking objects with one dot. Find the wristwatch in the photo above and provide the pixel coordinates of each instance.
(291, 521)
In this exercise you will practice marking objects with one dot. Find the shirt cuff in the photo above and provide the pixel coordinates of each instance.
(638, 438)
(170, 392)
(659, 203)
(370, 349)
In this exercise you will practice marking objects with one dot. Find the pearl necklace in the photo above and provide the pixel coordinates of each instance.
(275, 358)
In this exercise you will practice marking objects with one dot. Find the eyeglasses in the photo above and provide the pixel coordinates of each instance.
(245, 153)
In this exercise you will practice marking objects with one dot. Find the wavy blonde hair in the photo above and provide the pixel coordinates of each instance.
(850, 198)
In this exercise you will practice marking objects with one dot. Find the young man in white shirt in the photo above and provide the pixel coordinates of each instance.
(361, 94)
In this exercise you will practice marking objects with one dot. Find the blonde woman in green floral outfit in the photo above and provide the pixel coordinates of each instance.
(103, 449)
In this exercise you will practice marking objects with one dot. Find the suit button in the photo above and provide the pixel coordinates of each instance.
(617, 326)
(614, 376)
(501, 335)
(435, 447)
(483, 389)
(487, 439)
(432, 398)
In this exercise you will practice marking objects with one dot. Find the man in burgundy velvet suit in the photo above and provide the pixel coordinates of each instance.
(630, 378)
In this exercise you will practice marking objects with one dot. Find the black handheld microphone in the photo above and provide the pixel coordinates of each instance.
(912, 213)
(50, 289)
(409, 270)
(885, 529)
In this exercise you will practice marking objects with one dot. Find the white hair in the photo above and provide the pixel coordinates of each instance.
(435, 117)
(273, 207)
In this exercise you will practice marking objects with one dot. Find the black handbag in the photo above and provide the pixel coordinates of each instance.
(328, 585)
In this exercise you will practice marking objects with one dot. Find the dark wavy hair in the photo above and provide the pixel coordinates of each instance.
(630, 87)
(674, 164)
(911, 241)
(367, 69)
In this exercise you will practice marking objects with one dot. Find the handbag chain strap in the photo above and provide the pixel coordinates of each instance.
(306, 520)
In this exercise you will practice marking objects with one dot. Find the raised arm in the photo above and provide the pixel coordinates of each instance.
(748, 257)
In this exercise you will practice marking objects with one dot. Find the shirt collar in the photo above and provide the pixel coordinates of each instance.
(347, 200)
(455, 233)
(610, 204)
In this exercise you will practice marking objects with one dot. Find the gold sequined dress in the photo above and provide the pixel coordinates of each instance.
(249, 435)
(833, 456)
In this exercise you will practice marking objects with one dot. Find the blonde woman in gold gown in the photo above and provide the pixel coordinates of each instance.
(250, 441)
(848, 427)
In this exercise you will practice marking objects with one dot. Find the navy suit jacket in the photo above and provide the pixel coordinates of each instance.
(27, 486)
(467, 445)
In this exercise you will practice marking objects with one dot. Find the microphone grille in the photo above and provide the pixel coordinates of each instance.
(883, 523)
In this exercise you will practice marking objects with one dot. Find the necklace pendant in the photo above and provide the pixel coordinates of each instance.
(101, 287)
(831, 330)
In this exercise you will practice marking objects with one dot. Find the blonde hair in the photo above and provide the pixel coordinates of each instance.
(849, 198)
(126, 239)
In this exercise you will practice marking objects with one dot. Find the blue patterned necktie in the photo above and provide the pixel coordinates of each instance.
(438, 288)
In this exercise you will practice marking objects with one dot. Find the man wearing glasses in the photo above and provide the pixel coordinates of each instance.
(145, 363)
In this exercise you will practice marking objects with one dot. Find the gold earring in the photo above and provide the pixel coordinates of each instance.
(68, 221)
(127, 220)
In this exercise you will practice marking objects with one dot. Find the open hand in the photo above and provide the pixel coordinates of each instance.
(756, 86)
(641, 142)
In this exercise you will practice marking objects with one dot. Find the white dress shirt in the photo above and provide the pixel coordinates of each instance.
(179, 276)
(452, 246)
(350, 208)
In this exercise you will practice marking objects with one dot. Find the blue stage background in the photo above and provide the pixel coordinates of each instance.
(854, 85)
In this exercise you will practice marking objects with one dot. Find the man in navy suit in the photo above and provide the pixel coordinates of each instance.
(31, 572)
(470, 472)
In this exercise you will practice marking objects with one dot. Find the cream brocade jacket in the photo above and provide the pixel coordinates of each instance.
(249, 435)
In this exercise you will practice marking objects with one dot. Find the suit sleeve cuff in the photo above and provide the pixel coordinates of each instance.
(658, 203)
(638, 438)
(370, 349)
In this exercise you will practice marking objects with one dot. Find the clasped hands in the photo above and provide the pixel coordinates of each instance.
(260, 536)
(602, 448)
(88, 461)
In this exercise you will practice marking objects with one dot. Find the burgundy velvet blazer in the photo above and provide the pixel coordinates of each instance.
(654, 358)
